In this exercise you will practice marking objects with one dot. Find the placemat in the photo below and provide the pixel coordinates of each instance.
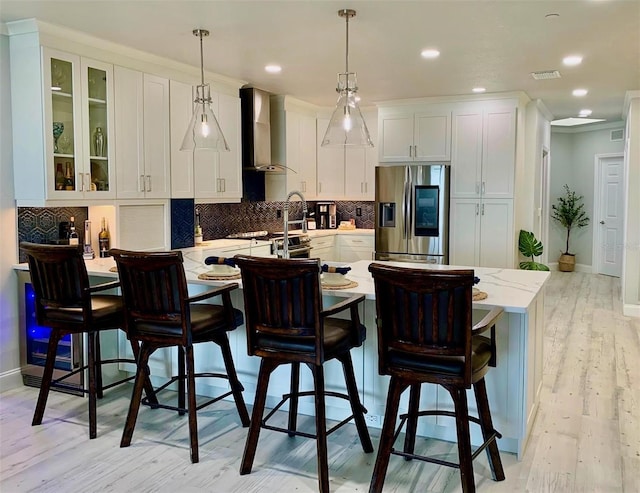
(352, 284)
(205, 276)
(480, 295)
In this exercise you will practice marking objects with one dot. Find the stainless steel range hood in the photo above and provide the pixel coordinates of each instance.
(256, 131)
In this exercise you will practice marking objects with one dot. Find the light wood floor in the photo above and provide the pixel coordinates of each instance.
(586, 437)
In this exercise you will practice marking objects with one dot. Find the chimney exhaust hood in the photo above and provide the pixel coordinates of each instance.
(256, 131)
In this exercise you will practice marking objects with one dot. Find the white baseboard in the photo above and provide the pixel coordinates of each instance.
(629, 310)
(10, 379)
(587, 269)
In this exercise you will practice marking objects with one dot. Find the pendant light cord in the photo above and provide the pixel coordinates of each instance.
(201, 59)
(347, 49)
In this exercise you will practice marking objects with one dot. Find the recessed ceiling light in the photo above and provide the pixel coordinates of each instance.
(478, 89)
(273, 69)
(430, 53)
(572, 60)
(580, 92)
(584, 113)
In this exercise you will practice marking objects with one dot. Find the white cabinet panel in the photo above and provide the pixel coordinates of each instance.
(142, 135)
(352, 247)
(417, 134)
(481, 233)
(466, 154)
(498, 153)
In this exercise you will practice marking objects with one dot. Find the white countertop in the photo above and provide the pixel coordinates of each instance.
(512, 289)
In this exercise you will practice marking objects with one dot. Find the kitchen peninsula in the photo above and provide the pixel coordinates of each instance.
(513, 386)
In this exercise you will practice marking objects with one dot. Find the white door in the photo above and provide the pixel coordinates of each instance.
(609, 215)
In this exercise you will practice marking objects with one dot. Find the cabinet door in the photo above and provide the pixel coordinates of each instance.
(308, 156)
(331, 167)
(466, 153)
(497, 241)
(360, 165)
(432, 137)
(64, 142)
(464, 232)
(498, 153)
(129, 111)
(229, 163)
(395, 138)
(156, 138)
(98, 146)
(180, 111)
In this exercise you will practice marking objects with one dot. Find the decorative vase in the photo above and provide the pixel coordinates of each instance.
(98, 142)
(58, 128)
(567, 262)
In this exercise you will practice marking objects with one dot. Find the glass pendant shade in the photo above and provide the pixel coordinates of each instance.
(203, 131)
(347, 127)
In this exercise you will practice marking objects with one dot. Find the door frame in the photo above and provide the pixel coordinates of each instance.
(596, 250)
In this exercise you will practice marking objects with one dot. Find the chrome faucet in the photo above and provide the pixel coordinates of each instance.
(303, 221)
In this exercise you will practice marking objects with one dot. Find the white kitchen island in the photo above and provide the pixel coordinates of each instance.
(513, 386)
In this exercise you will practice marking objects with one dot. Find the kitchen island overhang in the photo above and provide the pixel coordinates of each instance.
(513, 387)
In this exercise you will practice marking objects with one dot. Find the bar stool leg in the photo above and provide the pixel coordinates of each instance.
(266, 368)
(293, 400)
(142, 374)
(181, 380)
(93, 380)
(396, 387)
(236, 386)
(97, 355)
(47, 376)
(412, 420)
(321, 429)
(354, 401)
(459, 396)
(191, 392)
(480, 390)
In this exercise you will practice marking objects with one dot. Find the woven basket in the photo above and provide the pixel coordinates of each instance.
(566, 263)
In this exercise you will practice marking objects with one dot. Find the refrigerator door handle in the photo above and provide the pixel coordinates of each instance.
(408, 213)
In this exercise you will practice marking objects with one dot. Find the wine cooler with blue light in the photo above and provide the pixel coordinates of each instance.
(34, 343)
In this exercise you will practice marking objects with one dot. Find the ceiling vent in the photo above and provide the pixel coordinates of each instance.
(546, 74)
(617, 135)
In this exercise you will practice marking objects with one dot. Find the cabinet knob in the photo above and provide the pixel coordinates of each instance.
(601, 222)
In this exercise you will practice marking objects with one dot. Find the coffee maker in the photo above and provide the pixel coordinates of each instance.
(326, 217)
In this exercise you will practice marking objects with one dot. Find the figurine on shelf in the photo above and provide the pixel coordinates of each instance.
(98, 142)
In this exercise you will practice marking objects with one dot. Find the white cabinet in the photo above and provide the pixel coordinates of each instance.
(205, 174)
(354, 247)
(323, 247)
(482, 233)
(347, 173)
(142, 135)
(414, 134)
(293, 124)
(59, 100)
(483, 151)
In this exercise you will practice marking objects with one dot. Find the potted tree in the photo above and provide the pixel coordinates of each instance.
(569, 212)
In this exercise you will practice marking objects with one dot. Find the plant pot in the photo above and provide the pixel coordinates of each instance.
(567, 262)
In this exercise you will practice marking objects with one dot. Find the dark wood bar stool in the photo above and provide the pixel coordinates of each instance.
(67, 304)
(425, 335)
(286, 324)
(159, 313)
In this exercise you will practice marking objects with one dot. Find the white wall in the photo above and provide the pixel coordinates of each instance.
(9, 335)
(572, 162)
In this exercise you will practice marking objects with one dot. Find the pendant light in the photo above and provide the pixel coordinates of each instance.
(204, 131)
(347, 127)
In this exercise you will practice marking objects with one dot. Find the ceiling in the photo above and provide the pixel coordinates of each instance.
(489, 43)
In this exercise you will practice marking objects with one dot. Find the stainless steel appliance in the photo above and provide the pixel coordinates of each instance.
(299, 246)
(412, 213)
(326, 215)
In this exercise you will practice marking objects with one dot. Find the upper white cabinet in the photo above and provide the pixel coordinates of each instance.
(483, 150)
(293, 144)
(62, 125)
(416, 134)
(205, 174)
(142, 134)
(347, 173)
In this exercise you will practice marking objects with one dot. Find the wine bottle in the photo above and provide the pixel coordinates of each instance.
(104, 239)
(59, 177)
(198, 232)
(74, 239)
(69, 182)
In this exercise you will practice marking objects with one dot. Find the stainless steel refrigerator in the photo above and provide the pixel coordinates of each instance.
(412, 213)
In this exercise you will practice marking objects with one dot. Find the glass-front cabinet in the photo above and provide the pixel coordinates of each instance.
(78, 127)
